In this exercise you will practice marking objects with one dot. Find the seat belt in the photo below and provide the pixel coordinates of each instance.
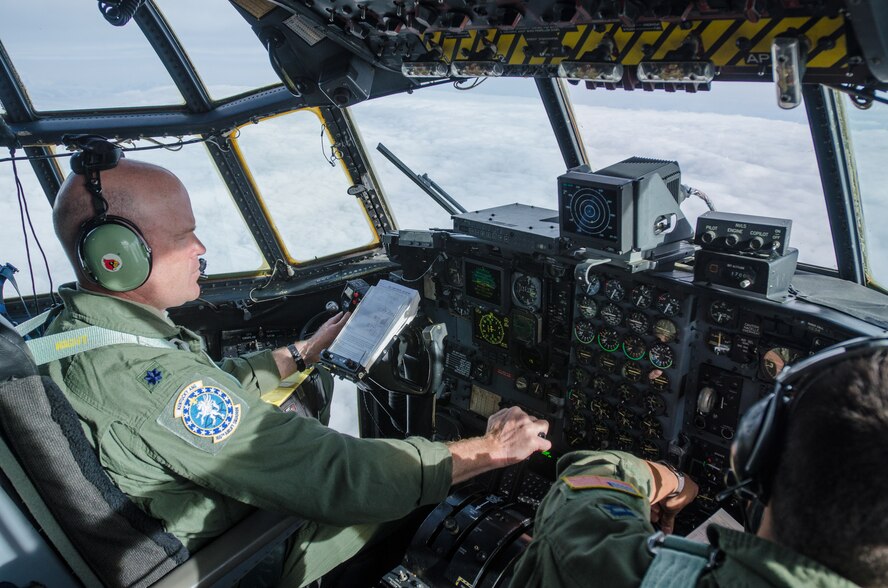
(54, 347)
(678, 562)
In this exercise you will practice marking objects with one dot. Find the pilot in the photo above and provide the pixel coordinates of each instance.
(815, 464)
(190, 441)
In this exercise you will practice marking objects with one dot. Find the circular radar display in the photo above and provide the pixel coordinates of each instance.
(587, 307)
(584, 331)
(527, 291)
(492, 329)
(661, 356)
(609, 340)
(592, 212)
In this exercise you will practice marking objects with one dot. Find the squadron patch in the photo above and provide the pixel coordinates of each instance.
(111, 262)
(204, 414)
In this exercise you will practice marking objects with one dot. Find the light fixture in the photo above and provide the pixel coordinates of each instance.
(676, 72)
(425, 69)
(477, 69)
(787, 55)
(595, 71)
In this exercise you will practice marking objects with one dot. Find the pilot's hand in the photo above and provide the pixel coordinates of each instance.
(516, 435)
(324, 336)
(665, 511)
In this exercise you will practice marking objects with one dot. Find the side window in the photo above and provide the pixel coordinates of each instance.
(303, 187)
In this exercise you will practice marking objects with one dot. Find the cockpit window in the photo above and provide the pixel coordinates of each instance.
(230, 245)
(302, 186)
(734, 143)
(490, 146)
(228, 56)
(869, 138)
(17, 240)
(72, 59)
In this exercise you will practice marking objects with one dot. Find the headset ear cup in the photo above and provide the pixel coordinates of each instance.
(756, 447)
(114, 254)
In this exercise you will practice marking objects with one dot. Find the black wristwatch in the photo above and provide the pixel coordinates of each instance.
(678, 475)
(297, 357)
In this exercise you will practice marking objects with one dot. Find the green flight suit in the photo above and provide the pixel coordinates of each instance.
(195, 447)
(598, 537)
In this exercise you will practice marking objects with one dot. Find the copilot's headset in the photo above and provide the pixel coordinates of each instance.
(110, 249)
(760, 438)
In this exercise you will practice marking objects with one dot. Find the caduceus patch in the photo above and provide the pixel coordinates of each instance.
(207, 411)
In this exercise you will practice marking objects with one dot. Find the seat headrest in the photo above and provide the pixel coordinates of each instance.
(16, 360)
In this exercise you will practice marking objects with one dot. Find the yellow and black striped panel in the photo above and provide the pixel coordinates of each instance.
(734, 44)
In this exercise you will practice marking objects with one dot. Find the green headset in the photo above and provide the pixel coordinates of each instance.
(110, 249)
(758, 443)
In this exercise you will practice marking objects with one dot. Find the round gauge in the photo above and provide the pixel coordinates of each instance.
(719, 342)
(722, 312)
(625, 419)
(661, 356)
(609, 340)
(655, 404)
(607, 363)
(491, 328)
(587, 307)
(584, 355)
(576, 400)
(459, 305)
(632, 371)
(626, 442)
(593, 284)
(599, 408)
(600, 438)
(584, 331)
(581, 377)
(775, 359)
(527, 291)
(634, 347)
(668, 304)
(627, 394)
(638, 322)
(651, 428)
(614, 290)
(642, 296)
(611, 314)
(600, 385)
(521, 383)
(454, 273)
(665, 330)
(650, 451)
(658, 380)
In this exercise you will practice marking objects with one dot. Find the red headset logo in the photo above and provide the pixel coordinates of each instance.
(111, 262)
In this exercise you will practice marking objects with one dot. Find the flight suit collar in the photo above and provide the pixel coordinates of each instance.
(117, 314)
(775, 565)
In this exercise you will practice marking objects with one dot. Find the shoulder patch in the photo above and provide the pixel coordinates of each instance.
(618, 511)
(204, 414)
(601, 483)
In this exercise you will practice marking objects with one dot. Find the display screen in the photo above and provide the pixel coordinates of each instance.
(590, 210)
(491, 328)
(484, 283)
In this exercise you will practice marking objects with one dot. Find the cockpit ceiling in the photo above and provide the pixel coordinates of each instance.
(318, 40)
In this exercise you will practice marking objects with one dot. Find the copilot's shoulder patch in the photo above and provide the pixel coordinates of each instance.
(204, 414)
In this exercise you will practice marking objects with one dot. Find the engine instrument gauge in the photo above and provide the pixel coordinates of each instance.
(614, 290)
(584, 331)
(627, 394)
(638, 322)
(587, 307)
(600, 385)
(722, 312)
(632, 371)
(642, 296)
(661, 356)
(720, 342)
(665, 330)
(612, 314)
(527, 291)
(607, 363)
(593, 284)
(634, 347)
(659, 380)
(609, 340)
(625, 419)
(581, 377)
(668, 304)
(655, 404)
(775, 359)
(651, 428)
(599, 408)
(584, 355)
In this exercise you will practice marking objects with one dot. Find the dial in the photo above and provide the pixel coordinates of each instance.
(593, 284)
(584, 356)
(650, 451)
(600, 409)
(527, 291)
(665, 330)
(611, 314)
(642, 296)
(634, 348)
(659, 380)
(719, 342)
(587, 307)
(601, 437)
(722, 312)
(454, 273)
(625, 419)
(627, 394)
(459, 305)
(581, 377)
(655, 404)
(584, 331)
(651, 428)
(608, 339)
(491, 328)
(577, 400)
(607, 363)
(600, 385)
(638, 322)
(614, 290)
(775, 359)
(661, 356)
(668, 304)
(632, 371)
(521, 383)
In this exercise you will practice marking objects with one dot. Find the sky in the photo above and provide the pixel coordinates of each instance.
(486, 147)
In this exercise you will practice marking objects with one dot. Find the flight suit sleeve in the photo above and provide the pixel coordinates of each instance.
(219, 437)
(257, 372)
(594, 520)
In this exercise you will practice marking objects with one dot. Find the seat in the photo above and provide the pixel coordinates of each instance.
(54, 482)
